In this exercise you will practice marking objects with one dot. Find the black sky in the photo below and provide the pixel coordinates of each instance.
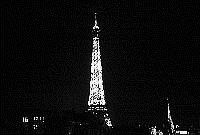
(150, 50)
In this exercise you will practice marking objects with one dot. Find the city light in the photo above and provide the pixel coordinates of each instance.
(25, 119)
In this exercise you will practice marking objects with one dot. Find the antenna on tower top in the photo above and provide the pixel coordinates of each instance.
(95, 17)
(95, 22)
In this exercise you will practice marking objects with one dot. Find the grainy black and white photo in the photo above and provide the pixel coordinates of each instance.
(100, 67)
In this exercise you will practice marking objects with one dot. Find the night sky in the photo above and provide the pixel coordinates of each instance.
(149, 51)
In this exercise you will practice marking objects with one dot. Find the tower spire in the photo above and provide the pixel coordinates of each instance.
(95, 17)
(96, 27)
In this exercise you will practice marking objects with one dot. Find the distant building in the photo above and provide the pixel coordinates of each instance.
(67, 122)
(154, 131)
(194, 131)
(33, 124)
(182, 133)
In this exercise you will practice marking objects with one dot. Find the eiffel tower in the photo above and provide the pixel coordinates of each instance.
(169, 119)
(96, 102)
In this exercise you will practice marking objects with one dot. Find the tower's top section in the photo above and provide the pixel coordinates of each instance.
(168, 111)
(95, 18)
(95, 22)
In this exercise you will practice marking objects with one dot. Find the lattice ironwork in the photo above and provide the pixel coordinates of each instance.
(97, 101)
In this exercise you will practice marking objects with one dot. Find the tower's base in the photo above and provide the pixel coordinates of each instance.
(101, 112)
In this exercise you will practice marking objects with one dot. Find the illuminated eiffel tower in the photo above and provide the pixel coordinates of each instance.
(169, 119)
(96, 102)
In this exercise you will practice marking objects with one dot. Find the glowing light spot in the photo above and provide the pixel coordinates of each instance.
(35, 127)
(35, 118)
(25, 119)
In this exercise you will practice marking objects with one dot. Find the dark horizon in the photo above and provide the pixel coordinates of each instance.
(149, 51)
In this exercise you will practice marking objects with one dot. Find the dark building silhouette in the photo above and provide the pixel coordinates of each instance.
(53, 122)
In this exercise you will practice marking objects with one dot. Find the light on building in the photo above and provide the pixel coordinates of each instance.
(35, 126)
(182, 132)
(25, 119)
(35, 118)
